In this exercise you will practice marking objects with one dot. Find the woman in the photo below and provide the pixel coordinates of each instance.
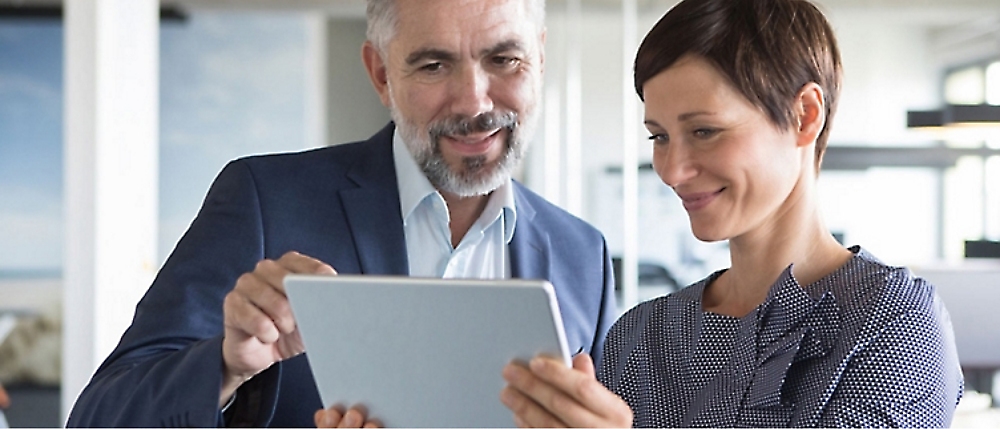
(739, 97)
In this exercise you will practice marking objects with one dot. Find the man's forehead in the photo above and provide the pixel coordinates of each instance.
(469, 25)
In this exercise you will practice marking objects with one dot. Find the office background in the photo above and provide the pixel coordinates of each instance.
(235, 78)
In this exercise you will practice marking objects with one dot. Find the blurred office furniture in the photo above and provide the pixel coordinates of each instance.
(971, 292)
(29, 367)
(654, 280)
(7, 322)
(982, 249)
(33, 406)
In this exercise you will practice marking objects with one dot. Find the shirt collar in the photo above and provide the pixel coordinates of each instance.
(413, 184)
(414, 188)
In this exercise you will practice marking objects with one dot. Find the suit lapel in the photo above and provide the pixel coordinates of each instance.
(530, 247)
(373, 211)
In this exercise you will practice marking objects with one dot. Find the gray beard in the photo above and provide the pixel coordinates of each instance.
(476, 176)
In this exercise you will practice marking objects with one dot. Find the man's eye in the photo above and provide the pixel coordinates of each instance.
(431, 67)
(504, 61)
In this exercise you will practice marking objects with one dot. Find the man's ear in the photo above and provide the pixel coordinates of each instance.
(541, 50)
(375, 66)
(810, 113)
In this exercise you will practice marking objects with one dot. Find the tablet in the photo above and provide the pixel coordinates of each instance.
(421, 352)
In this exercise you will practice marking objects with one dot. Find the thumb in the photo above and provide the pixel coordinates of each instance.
(583, 362)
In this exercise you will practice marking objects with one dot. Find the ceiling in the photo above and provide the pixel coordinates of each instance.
(931, 13)
(338, 5)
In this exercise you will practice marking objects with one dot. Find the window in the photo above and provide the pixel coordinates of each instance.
(972, 188)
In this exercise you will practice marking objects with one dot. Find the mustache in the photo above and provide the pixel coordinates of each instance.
(464, 125)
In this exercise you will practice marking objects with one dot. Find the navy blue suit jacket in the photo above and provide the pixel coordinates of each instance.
(340, 205)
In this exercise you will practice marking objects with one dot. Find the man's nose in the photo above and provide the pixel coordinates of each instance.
(470, 92)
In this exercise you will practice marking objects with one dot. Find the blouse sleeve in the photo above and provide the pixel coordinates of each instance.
(906, 376)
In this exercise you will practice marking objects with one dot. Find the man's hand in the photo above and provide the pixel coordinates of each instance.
(548, 394)
(260, 328)
(336, 417)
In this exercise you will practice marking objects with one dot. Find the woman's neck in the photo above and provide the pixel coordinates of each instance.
(797, 237)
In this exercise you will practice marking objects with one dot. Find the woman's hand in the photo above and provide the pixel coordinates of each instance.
(336, 417)
(548, 394)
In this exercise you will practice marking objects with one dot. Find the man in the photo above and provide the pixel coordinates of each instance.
(429, 195)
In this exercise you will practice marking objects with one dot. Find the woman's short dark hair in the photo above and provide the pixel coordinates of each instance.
(769, 49)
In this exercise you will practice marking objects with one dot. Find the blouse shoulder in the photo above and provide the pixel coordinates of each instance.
(873, 294)
(647, 324)
(867, 281)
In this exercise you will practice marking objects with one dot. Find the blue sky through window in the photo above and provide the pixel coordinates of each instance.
(31, 138)
(231, 85)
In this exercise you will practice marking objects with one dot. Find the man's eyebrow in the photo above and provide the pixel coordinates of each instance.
(504, 46)
(421, 55)
(429, 53)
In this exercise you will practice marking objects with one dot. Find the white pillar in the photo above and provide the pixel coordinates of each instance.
(111, 170)
(573, 154)
(630, 161)
(317, 78)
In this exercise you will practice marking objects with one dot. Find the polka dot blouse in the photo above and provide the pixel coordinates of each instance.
(868, 345)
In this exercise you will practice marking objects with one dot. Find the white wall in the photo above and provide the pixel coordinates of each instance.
(889, 69)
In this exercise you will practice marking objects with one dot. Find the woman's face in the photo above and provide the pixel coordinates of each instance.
(734, 171)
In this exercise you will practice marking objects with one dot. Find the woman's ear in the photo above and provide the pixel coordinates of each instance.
(810, 113)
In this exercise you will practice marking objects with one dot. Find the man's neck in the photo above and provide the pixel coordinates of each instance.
(463, 213)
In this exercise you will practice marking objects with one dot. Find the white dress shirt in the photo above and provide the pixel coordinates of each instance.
(482, 253)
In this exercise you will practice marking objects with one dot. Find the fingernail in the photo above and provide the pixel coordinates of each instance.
(536, 363)
(505, 396)
(328, 419)
(508, 372)
(352, 419)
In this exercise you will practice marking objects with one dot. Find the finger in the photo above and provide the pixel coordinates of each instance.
(519, 397)
(298, 263)
(354, 418)
(259, 292)
(573, 395)
(328, 418)
(241, 315)
(582, 362)
(519, 422)
(527, 412)
(273, 272)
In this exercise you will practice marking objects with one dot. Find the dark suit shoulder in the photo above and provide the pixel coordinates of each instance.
(343, 155)
(339, 156)
(365, 161)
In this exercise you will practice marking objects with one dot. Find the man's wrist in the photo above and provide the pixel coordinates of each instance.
(228, 389)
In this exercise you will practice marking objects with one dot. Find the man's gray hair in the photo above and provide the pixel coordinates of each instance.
(383, 17)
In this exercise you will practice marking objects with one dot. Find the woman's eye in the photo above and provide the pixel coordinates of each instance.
(659, 138)
(705, 132)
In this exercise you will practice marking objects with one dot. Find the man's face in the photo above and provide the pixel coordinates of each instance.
(462, 81)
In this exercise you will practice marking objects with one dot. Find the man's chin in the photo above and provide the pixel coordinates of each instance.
(474, 185)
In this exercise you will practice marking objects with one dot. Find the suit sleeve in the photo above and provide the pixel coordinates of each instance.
(609, 309)
(167, 369)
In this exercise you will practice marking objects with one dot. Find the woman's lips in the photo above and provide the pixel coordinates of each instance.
(698, 200)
